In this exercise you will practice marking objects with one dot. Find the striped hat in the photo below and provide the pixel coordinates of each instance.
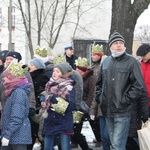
(115, 37)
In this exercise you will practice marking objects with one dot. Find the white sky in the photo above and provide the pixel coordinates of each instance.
(145, 17)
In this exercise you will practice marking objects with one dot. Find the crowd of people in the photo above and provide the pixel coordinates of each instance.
(49, 99)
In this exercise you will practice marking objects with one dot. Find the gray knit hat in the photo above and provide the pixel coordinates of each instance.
(64, 67)
(38, 63)
(115, 37)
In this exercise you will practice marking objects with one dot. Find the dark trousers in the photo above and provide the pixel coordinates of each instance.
(78, 137)
(96, 129)
(132, 144)
(14, 147)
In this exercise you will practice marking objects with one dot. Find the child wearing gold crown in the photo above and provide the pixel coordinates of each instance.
(88, 95)
(59, 119)
(16, 129)
(97, 119)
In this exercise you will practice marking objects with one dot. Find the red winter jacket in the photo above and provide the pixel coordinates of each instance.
(146, 75)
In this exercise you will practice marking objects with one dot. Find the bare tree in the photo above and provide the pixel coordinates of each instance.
(43, 20)
(142, 33)
(124, 17)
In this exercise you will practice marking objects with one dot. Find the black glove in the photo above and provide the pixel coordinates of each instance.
(53, 99)
(32, 112)
(144, 119)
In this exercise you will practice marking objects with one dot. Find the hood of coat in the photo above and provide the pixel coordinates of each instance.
(25, 87)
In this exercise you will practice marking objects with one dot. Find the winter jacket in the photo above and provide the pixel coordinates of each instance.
(119, 84)
(146, 75)
(39, 78)
(15, 124)
(71, 60)
(78, 87)
(57, 123)
(139, 113)
(89, 82)
(95, 108)
(49, 69)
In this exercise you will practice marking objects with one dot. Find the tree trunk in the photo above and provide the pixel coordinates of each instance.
(124, 17)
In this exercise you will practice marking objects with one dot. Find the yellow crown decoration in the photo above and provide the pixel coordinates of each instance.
(41, 51)
(15, 68)
(97, 48)
(59, 59)
(82, 62)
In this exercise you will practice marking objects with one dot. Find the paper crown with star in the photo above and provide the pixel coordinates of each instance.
(59, 59)
(82, 62)
(15, 68)
(97, 48)
(43, 52)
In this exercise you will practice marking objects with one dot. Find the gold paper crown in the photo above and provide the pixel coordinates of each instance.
(16, 69)
(82, 62)
(59, 59)
(97, 48)
(41, 51)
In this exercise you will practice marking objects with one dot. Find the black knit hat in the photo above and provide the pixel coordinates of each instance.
(3, 55)
(143, 50)
(115, 37)
(14, 55)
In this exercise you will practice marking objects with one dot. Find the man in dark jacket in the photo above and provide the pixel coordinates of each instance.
(120, 83)
(70, 57)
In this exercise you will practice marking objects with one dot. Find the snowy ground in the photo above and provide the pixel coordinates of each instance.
(86, 131)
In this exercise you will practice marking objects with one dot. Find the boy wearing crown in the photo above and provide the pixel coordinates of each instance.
(98, 123)
(88, 95)
(16, 129)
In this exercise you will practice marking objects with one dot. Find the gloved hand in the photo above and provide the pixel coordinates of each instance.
(5, 141)
(144, 119)
(53, 99)
(92, 117)
(32, 112)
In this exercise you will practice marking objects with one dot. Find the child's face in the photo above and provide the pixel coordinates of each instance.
(32, 67)
(56, 74)
(6, 80)
(43, 104)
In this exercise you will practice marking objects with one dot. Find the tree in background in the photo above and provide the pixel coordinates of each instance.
(142, 33)
(44, 20)
(124, 17)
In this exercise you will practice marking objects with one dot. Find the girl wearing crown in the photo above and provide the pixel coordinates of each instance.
(16, 129)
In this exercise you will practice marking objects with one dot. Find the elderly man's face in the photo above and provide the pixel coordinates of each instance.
(118, 46)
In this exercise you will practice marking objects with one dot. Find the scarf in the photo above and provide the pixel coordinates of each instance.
(61, 87)
(13, 83)
(117, 54)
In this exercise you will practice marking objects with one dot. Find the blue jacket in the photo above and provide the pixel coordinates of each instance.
(15, 123)
(56, 123)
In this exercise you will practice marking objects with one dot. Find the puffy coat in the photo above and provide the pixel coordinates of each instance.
(57, 123)
(15, 124)
(119, 84)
